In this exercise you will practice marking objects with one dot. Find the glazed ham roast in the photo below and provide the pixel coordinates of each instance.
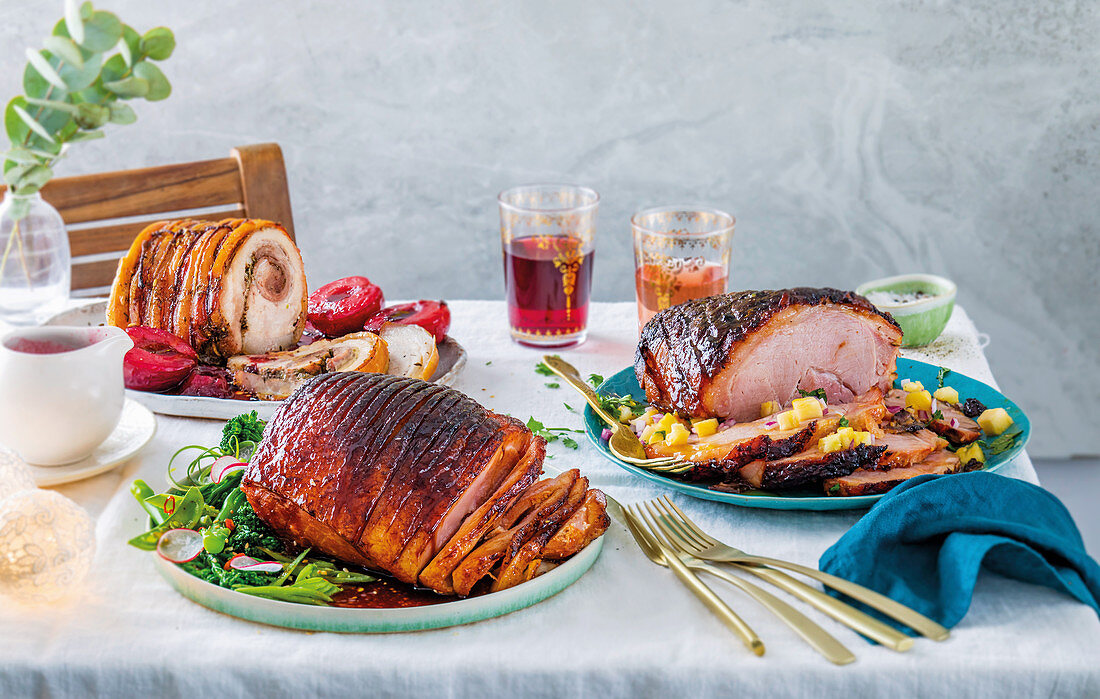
(725, 355)
(417, 481)
(228, 287)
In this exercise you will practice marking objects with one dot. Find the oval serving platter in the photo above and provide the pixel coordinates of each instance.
(352, 620)
(452, 359)
(625, 383)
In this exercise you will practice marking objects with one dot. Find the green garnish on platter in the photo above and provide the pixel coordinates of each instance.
(207, 506)
(816, 393)
(1002, 442)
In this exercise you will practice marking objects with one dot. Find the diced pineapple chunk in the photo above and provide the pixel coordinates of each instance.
(650, 412)
(705, 428)
(971, 452)
(655, 437)
(995, 421)
(648, 431)
(808, 408)
(861, 438)
(678, 436)
(910, 386)
(625, 414)
(787, 420)
(846, 435)
(665, 423)
(946, 394)
(919, 400)
(830, 443)
(769, 407)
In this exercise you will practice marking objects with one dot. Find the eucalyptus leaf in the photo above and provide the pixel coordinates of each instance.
(101, 31)
(159, 87)
(34, 85)
(19, 208)
(128, 87)
(91, 116)
(158, 43)
(14, 127)
(53, 104)
(122, 113)
(77, 79)
(66, 49)
(133, 43)
(73, 22)
(124, 51)
(44, 69)
(13, 175)
(86, 10)
(86, 136)
(32, 124)
(32, 180)
(20, 156)
(115, 69)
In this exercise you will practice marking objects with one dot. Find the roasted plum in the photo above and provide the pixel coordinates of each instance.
(433, 316)
(159, 360)
(208, 381)
(343, 306)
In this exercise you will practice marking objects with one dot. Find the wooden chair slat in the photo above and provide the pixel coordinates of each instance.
(118, 237)
(145, 191)
(263, 181)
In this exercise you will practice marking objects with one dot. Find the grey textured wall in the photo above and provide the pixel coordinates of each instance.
(851, 139)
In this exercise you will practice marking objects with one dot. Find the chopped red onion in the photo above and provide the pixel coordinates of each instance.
(894, 409)
(954, 422)
(606, 434)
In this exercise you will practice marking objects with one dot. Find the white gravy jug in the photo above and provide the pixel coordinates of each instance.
(61, 391)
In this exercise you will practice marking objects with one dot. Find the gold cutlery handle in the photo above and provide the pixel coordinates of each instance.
(844, 613)
(821, 641)
(713, 602)
(895, 610)
(569, 375)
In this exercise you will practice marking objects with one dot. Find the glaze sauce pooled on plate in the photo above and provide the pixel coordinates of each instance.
(387, 594)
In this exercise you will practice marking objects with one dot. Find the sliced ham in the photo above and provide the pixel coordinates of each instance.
(809, 467)
(871, 482)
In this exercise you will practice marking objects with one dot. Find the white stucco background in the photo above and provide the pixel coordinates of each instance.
(851, 139)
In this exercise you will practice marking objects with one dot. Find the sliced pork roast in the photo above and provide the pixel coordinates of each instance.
(275, 375)
(229, 287)
(417, 481)
(725, 355)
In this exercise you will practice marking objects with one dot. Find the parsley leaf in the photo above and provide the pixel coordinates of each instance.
(569, 407)
(1002, 442)
(489, 363)
(835, 488)
(595, 380)
(569, 442)
(938, 415)
(843, 422)
(534, 425)
(541, 368)
(553, 385)
(816, 393)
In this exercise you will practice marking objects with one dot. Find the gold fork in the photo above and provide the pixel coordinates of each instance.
(820, 640)
(663, 556)
(624, 444)
(681, 538)
(708, 548)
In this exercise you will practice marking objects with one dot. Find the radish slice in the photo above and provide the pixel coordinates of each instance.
(179, 545)
(223, 466)
(250, 564)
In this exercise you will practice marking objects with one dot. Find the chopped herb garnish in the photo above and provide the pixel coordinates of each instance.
(489, 363)
(834, 488)
(551, 434)
(843, 422)
(1002, 442)
(541, 368)
(944, 371)
(569, 407)
(816, 393)
(938, 415)
(553, 384)
(569, 442)
(595, 379)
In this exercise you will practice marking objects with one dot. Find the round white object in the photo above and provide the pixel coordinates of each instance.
(15, 475)
(46, 546)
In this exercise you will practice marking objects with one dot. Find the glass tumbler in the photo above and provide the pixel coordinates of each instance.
(548, 237)
(680, 253)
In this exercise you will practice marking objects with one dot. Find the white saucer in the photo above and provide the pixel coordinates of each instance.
(136, 427)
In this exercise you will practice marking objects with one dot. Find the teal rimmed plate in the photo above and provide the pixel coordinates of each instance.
(624, 383)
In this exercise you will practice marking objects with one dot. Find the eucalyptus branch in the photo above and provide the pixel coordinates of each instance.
(73, 87)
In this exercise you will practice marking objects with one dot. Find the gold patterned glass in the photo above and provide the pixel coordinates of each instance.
(680, 253)
(548, 240)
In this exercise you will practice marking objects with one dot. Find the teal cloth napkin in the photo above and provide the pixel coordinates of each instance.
(925, 541)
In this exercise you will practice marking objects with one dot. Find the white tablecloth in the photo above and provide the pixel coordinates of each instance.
(627, 628)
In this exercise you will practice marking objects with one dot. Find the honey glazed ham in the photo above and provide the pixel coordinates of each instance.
(229, 287)
(418, 481)
(725, 355)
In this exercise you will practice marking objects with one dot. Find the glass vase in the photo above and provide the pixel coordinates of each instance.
(34, 260)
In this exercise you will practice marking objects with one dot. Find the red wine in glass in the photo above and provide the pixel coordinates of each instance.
(548, 279)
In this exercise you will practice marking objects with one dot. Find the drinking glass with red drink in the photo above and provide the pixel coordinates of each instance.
(548, 238)
(680, 253)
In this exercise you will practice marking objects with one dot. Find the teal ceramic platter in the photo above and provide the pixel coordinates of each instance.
(625, 383)
(345, 620)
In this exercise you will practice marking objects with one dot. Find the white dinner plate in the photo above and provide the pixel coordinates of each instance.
(452, 359)
(135, 428)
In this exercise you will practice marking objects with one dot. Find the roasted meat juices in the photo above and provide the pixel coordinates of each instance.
(411, 479)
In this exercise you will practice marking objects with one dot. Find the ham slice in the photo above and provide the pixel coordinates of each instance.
(725, 355)
(871, 482)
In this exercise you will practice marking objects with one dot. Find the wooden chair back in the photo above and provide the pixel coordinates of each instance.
(104, 212)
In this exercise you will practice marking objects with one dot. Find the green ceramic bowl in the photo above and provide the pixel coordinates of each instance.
(922, 320)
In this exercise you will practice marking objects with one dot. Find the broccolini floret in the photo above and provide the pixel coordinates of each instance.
(243, 428)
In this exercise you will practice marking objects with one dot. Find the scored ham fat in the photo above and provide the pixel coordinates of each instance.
(418, 481)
